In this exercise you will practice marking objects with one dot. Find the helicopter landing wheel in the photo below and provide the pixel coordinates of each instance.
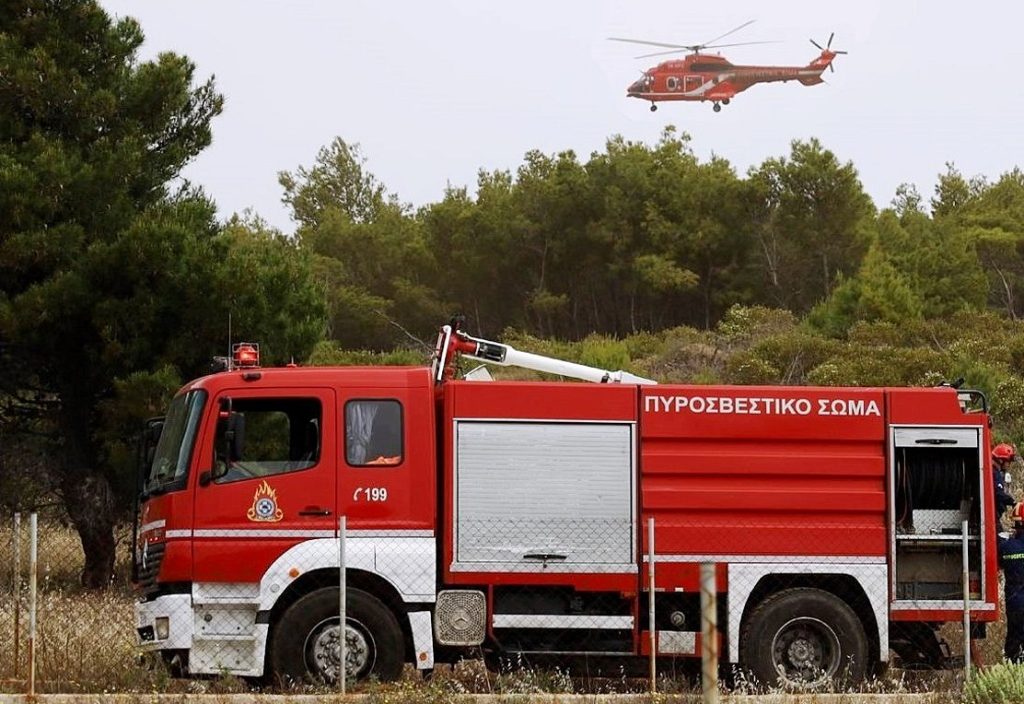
(654, 108)
(716, 107)
(725, 101)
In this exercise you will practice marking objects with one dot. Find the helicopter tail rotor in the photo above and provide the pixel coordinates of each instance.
(827, 52)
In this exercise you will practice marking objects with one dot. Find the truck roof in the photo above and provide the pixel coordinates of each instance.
(355, 377)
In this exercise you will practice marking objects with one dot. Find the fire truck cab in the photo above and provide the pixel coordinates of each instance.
(513, 517)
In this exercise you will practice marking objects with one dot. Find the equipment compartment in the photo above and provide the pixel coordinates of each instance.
(937, 482)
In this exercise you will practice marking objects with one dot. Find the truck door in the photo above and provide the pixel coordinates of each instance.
(269, 480)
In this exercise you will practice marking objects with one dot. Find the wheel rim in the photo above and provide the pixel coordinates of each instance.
(322, 650)
(806, 652)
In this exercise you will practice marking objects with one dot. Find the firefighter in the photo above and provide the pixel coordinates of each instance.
(1002, 455)
(1011, 561)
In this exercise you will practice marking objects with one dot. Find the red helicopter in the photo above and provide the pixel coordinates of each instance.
(712, 77)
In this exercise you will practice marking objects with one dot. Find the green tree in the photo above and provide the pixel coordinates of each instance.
(463, 231)
(937, 257)
(264, 280)
(667, 230)
(715, 241)
(622, 180)
(812, 218)
(907, 200)
(370, 254)
(337, 180)
(953, 192)
(916, 269)
(88, 138)
(879, 292)
(550, 196)
(107, 278)
(993, 218)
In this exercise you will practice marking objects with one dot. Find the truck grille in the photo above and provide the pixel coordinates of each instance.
(149, 566)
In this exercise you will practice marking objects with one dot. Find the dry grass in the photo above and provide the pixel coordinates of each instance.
(85, 639)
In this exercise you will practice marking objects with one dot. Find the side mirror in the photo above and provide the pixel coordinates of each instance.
(229, 444)
(146, 451)
(154, 428)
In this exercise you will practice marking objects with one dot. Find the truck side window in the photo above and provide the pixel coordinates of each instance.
(373, 433)
(273, 436)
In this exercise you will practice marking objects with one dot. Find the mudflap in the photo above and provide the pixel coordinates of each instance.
(919, 647)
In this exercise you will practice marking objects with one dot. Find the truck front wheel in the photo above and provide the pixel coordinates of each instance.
(306, 642)
(804, 638)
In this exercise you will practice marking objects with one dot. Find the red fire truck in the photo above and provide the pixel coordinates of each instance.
(512, 518)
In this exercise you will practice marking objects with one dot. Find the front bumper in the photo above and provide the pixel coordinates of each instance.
(177, 609)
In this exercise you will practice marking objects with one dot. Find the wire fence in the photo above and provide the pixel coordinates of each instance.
(502, 606)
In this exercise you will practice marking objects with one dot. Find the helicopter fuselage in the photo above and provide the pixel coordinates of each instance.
(707, 77)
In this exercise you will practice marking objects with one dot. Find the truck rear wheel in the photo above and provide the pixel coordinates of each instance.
(804, 638)
(306, 644)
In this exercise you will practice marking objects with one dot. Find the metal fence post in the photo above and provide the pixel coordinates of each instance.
(651, 625)
(709, 633)
(16, 592)
(342, 587)
(33, 558)
(967, 603)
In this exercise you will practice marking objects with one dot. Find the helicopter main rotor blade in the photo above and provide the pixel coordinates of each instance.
(664, 53)
(722, 46)
(691, 47)
(644, 41)
(723, 36)
(698, 48)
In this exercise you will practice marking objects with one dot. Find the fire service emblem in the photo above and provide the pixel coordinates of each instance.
(264, 505)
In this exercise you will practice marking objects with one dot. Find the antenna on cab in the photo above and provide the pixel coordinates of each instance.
(225, 363)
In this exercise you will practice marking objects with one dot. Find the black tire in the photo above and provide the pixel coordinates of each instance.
(804, 639)
(309, 628)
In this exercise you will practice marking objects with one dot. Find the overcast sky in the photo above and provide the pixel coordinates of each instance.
(434, 91)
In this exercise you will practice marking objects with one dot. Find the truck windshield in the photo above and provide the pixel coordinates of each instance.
(174, 450)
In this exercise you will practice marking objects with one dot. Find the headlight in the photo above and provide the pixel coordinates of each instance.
(162, 626)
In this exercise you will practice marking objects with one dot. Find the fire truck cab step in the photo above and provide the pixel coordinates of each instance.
(224, 637)
(208, 601)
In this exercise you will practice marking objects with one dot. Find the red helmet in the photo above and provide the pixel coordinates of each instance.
(1004, 451)
(1018, 513)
